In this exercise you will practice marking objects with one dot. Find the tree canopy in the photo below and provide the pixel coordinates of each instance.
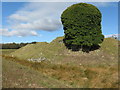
(82, 26)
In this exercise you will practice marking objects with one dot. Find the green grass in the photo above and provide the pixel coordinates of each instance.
(56, 52)
(40, 49)
(97, 69)
(110, 46)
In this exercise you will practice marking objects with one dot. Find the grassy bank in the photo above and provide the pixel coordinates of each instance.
(75, 76)
(64, 68)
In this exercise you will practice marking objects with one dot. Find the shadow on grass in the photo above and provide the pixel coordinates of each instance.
(86, 49)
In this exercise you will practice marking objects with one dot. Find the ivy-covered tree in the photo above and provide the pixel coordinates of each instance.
(82, 26)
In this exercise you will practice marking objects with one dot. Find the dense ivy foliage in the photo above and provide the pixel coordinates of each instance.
(82, 26)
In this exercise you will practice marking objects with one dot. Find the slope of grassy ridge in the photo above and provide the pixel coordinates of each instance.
(56, 52)
(30, 50)
(15, 75)
(40, 49)
(110, 46)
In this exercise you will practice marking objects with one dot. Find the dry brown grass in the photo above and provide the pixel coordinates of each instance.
(77, 76)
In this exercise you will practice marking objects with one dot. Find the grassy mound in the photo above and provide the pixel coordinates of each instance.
(73, 69)
(57, 52)
(41, 49)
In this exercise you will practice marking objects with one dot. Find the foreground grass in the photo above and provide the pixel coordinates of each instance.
(16, 75)
(97, 69)
(75, 76)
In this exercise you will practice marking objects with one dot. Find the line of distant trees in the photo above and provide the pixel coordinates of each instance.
(14, 45)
